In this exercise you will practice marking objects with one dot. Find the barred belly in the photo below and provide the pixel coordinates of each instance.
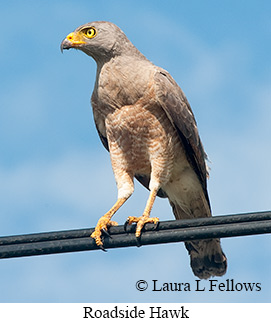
(143, 141)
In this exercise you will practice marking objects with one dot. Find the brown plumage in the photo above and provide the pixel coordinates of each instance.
(145, 121)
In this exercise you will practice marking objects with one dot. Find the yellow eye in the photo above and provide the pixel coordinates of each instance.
(90, 32)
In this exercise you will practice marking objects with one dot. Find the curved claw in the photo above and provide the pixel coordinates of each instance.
(138, 241)
(125, 225)
(101, 228)
(106, 233)
(102, 248)
(129, 221)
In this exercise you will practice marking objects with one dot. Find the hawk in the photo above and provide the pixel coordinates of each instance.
(146, 123)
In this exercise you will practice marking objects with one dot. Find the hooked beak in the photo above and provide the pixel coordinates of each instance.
(73, 40)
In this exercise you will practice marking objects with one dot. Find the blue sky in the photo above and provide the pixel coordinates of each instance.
(55, 174)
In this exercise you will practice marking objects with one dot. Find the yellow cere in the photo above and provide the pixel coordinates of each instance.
(75, 38)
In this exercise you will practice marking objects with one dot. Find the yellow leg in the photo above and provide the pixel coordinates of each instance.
(145, 218)
(105, 221)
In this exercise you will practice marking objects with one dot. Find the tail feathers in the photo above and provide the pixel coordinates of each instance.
(206, 258)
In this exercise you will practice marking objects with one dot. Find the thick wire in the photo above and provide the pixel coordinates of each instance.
(167, 232)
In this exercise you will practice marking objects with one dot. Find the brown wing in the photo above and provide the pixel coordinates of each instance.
(178, 110)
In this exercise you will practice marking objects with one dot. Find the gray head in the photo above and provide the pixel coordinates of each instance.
(100, 39)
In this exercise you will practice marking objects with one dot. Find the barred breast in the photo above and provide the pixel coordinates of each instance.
(143, 141)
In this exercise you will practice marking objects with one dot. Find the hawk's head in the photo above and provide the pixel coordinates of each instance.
(99, 39)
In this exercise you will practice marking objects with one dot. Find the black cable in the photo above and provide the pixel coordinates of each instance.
(167, 231)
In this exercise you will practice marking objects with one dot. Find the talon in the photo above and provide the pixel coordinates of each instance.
(125, 225)
(138, 241)
(102, 248)
(105, 232)
(129, 221)
(141, 221)
(100, 228)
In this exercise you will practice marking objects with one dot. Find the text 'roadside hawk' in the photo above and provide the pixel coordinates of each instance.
(145, 121)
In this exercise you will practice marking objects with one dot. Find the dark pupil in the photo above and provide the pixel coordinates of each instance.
(90, 32)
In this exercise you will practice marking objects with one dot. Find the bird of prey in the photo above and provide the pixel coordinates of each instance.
(146, 123)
